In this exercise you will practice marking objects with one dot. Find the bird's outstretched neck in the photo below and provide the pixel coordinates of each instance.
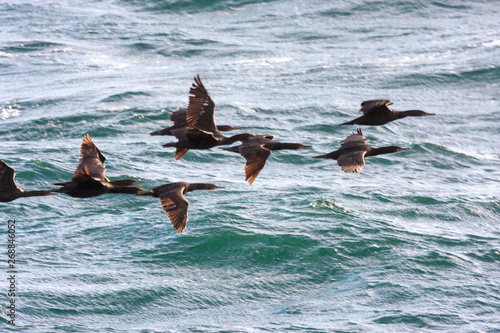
(413, 113)
(201, 186)
(35, 193)
(384, 150)
(284, 145)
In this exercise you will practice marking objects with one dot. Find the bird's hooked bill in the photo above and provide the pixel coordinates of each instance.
(145, 192)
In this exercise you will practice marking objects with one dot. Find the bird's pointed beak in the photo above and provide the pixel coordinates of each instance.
(404, 149)
(144, 192)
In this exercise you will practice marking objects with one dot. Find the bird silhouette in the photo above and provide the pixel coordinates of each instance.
(257, 151)
(201, 132)
(353, 150)
(89, 179)
(376, 112)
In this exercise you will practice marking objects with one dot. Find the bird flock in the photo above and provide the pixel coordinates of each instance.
(195, 128)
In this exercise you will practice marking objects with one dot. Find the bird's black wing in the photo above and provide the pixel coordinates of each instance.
(256, 156)
(91, 162)
(352, 152)
(352, 161)
(201, 108)
(376, 106)
(176, 206)
(179, 118)
(355, 139)
(7, 176)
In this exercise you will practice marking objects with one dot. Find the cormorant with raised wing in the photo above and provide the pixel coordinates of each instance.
(353, 150)
(376, 112)
(89, 179)
(201, 132)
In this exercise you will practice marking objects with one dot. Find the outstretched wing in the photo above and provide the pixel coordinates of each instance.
(7, 176)
(176, 206)
(352, 162)
(355, 139)
(180, 152)
(201, 108)
(91, 162)
(256, 156)
(179, 118)
(376, 106)
(352, 152)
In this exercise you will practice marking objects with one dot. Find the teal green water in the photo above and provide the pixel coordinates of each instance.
(410, 244)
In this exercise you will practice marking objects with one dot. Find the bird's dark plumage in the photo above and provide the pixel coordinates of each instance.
(353, 150)
(8, 189)
(179, 119)
(376, 112)
(173, 201)
(200, 112)
(202, 132)
(257, 151)
(190, 138)
(89, 179)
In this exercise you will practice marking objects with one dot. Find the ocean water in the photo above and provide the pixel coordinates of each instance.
(411, 244)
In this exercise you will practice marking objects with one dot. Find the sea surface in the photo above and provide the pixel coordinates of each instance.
(411, 244)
